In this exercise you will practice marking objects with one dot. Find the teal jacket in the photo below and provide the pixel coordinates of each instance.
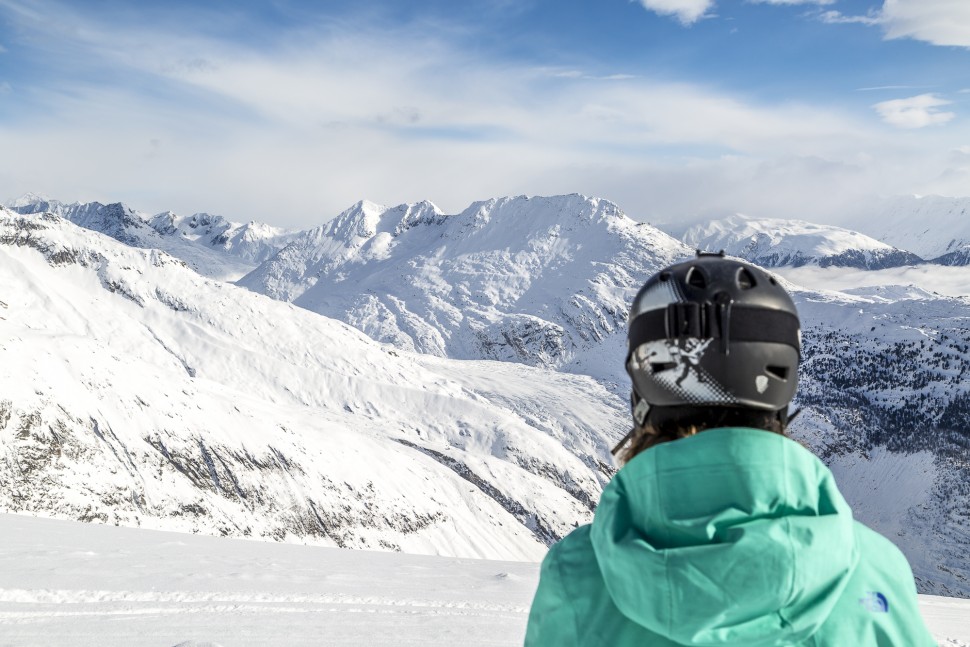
(730, 537)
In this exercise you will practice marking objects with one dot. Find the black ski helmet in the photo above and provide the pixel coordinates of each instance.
(712, 331)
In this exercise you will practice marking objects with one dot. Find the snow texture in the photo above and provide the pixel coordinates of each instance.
(91, 585)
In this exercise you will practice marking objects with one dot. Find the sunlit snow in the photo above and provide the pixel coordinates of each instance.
(88, 585)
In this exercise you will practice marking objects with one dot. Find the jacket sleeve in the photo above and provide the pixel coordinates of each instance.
(551, 619)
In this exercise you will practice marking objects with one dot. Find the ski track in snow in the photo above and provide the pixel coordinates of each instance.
(66, 583)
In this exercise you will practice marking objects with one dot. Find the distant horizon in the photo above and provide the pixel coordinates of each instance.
(672, 227)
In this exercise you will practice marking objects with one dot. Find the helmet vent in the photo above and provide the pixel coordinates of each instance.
(781, 372)
(657, 367)
(696, 278)
(746, 279)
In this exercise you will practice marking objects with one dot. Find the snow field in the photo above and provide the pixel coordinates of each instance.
(90, 585)
(86, 584)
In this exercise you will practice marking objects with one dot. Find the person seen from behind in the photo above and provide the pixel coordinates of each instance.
(718, 529)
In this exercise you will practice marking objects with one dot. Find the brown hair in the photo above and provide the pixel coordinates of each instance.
(664, 424)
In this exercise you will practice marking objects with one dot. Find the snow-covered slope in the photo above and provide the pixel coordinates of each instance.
(210, 245)
(541, 281)
(137, 392)
(934, 227)
(64, 583)
(775, 243)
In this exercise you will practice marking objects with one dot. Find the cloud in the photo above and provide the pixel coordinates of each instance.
(838, 18)
(5, 87)
(914, 112)
(880, 88)
(296, 126)
(940, 22)
(686, 11)
(792, 2)
(579, 74)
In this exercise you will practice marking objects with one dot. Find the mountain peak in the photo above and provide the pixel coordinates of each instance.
(28, 199)
(366, 219)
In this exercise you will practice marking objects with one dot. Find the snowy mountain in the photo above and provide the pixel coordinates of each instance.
(252, 242)
(209, 244)
(934, 227)
(775, 243)
(546, 280)
(542, 281)
(138, 392)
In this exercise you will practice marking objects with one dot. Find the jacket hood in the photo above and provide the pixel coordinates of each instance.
(732, 536)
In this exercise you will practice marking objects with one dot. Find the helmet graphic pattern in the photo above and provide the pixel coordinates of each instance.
(682, 372)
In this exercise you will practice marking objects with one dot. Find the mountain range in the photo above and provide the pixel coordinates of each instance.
(541, 284)
(775, 243)
(209, 244)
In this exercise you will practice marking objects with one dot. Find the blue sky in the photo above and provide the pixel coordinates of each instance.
(288, 112)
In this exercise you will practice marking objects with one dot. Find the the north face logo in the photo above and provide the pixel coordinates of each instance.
(875, 602)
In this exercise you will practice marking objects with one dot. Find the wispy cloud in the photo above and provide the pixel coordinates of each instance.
(914, 112)
(839, 18)
(579, 74)
(878, 88)
(686, 11)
